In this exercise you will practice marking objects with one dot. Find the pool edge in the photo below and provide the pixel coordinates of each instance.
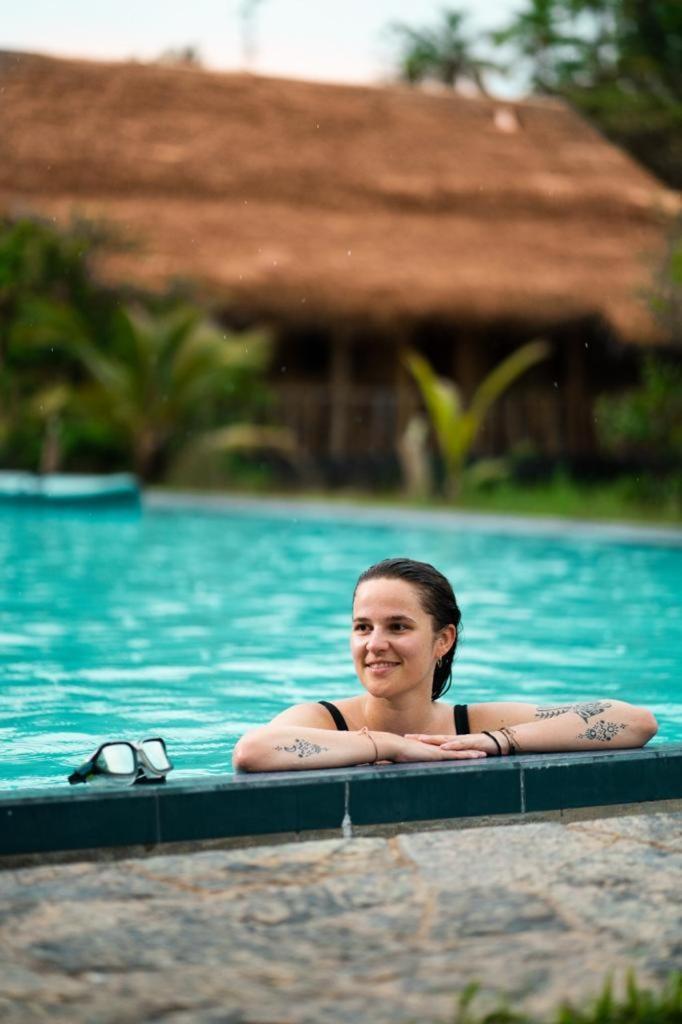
(337, 802)
(389, 514)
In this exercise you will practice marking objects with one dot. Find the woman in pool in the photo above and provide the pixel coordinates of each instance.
(404, 634)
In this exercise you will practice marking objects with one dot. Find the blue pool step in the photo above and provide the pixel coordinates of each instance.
(18, 487)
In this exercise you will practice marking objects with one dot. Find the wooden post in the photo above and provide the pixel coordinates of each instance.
(339, 386)
(467, 374)
(579, 434)
(465, 364)
(404, 387)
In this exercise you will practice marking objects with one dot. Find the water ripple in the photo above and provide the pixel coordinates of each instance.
(198, 626)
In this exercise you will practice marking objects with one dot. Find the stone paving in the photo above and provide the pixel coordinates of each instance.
(360, 929)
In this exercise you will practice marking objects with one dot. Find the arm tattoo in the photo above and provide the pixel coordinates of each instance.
(303, 748)
(602, 730)
(586, 711)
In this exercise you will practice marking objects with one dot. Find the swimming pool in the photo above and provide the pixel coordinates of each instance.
(197, 625)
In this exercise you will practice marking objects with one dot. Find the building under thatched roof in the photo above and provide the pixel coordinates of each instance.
(350, 217)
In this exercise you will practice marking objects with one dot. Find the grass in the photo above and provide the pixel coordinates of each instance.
(629, 499)
(636, 1006)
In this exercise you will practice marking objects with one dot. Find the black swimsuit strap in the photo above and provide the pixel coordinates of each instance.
(462, 719)
(335, 713)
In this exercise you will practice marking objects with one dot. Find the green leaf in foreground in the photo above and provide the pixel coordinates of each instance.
(637, 1006)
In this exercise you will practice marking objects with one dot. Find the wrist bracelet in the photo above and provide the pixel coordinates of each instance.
(509, 736)
(495, 741)
(365, 732)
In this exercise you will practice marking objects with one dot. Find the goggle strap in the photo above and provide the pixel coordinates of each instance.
(81, 774)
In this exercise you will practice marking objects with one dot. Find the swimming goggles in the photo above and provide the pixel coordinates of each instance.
(124, 763)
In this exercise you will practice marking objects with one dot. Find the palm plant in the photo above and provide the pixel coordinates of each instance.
(175, 376)
(443, 54)
(164, 381)
(455, 427)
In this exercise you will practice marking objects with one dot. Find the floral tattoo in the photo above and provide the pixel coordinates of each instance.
(602, 730)
(303, 748)
(585, 711)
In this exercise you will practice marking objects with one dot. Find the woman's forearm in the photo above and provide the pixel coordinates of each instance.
(294, 747)
(599, 725)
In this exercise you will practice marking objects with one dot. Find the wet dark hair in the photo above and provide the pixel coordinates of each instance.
(437, 598)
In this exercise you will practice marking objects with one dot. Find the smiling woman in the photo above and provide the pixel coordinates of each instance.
(406, 624)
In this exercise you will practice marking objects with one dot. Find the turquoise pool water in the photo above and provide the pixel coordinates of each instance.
(196, 625)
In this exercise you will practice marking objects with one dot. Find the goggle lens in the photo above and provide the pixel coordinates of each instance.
(155, 752)
(117, 759)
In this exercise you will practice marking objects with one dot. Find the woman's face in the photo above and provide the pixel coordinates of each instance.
(393, 643)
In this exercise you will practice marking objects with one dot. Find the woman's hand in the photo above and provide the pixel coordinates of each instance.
(429, 748)
(475, 744)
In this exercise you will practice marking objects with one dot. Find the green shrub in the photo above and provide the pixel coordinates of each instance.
(647, 420)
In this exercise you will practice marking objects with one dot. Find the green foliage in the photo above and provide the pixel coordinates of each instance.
(455, 427)
(165, 377)
(618, 61)
(589, 42)
(442, 54)
(40, 265)
(646, 420)
(87, 372)
(637, 1006)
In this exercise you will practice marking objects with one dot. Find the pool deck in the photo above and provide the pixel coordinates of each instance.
(295, 509)
(368, 928)
(374, 893)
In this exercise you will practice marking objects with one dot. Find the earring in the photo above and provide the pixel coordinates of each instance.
(439, 662)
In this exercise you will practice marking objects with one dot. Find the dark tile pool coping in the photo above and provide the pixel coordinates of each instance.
(257, 805)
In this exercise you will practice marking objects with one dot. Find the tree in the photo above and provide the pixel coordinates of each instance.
(442, 54)
(619, 62)
(247, 18)
(455, 427)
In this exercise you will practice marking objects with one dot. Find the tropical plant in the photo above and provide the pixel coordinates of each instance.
(442, 54)
(166, 381)
(40, 265)
(455, 427)
(49, 406)
(618, 62)
(134, 380)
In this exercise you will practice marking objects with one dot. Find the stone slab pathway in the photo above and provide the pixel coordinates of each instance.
(364, 929)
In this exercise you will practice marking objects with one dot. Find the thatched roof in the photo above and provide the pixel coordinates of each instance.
(310, 201)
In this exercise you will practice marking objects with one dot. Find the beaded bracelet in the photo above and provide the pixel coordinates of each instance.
(509, 736)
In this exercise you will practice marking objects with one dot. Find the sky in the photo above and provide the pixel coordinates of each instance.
(328, 40)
